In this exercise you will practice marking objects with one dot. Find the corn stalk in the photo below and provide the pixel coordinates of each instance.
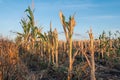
(56, 45)
(68, 30)
(92, 55)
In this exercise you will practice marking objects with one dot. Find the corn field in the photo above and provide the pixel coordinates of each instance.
(34, 55)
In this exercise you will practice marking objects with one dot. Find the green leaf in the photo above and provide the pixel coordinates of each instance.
(19, 33)
(30, 18)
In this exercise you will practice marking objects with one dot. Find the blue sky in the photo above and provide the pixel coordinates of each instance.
(98, 14)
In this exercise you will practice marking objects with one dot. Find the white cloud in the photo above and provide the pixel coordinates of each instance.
(101, 17)
(68, 5)
(81, 6)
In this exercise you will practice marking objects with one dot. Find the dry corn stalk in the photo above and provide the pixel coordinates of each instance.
(68, 30)
(56, 45)
(92, 55)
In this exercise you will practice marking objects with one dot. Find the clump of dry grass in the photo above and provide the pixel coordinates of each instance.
(11, 67)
